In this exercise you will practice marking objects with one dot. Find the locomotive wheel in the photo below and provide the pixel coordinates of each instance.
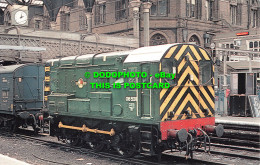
(72, 141)
(96, 146)
(97, 142)
(127, 150)
(124, 147)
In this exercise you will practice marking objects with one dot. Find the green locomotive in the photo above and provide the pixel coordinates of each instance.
(143, 101)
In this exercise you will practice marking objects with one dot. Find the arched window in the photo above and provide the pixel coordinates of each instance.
(158, 39)
(1, 17)
(194, 39)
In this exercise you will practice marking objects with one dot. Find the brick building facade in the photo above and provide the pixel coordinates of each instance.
(174, 21)
(171, 21)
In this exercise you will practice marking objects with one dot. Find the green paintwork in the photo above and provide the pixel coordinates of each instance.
(109, 104)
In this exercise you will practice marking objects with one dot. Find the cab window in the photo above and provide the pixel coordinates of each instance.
(205, 69)
(169, 67)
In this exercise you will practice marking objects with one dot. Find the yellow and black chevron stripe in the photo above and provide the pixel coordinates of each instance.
(187, 95)
(47, 88)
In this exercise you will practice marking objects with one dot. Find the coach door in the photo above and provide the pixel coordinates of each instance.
(146, 110)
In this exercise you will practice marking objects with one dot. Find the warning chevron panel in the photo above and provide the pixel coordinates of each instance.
(188, 98)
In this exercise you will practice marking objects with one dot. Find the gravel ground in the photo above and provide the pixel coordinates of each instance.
(38, 154)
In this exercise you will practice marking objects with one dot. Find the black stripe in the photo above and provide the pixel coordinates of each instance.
(192, 95)
(192, 54)
(183, 55)
(191, 67)
(188, 91)
(205, 100)
(166, 94)
(201, 55)
(176, 51)
(187, 50)
(209, 93)
(185, 108)
(171, 101)
(196, 99)
(181, 100)
(187, 79)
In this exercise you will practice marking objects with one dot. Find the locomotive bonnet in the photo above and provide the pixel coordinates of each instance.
(172, 107)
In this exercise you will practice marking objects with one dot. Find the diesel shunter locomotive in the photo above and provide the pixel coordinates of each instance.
(134, 120)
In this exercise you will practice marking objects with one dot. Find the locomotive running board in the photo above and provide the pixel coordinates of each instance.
(86, 129)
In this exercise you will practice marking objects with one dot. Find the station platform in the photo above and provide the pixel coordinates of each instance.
(243, 121)
(5, 160)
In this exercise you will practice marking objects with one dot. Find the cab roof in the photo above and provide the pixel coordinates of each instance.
(148, 54)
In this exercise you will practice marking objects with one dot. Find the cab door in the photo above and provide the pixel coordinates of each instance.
(146, 92)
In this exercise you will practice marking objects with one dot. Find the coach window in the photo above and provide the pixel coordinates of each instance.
(205, 68)
(4, 94)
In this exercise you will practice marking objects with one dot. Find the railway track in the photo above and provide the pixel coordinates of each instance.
(227, 154)
(218, 155)
(139, 159)
(235, 151)
(237, 135)
(68, 148)
(241, 127)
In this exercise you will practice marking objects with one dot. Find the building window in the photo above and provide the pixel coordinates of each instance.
(158, 39)
(254, 45)
(254, 18)
(190, 7)
(64, 21)
(100, 13)
(159, 8)
(236, 14)
(194, 39)
(82, 20)
(233, 12)
(37, 24)
(121, 9)
(2, 17)
(212, 10)
(7, 19)
(193, 8)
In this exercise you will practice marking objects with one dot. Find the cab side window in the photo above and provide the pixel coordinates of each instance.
(205, 75)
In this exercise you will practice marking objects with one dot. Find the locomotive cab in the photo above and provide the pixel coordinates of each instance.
(189, 103)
